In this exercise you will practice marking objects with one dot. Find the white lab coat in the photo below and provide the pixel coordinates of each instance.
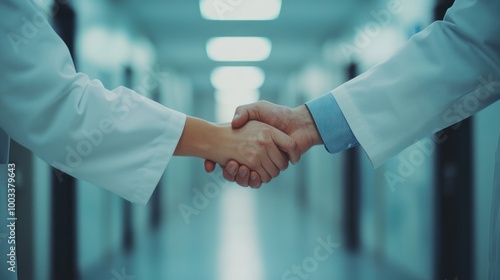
(114, 139)
(443, 75)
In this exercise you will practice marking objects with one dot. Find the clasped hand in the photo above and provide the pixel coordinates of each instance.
(288, 134)
(261, 148)
(257, 146)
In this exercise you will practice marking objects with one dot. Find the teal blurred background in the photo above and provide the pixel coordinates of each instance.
(419, 216)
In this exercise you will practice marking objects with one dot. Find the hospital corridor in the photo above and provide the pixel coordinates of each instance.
(419, 200)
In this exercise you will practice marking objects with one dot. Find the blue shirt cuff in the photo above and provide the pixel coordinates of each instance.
(331, 123)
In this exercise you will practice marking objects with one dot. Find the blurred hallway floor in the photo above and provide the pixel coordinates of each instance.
(244, 234)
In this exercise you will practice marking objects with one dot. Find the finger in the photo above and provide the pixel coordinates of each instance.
(227, 176)
(265, 140)
(278, 158)
(255, 182)
(270, 168)
(266, 137)
(241, 116)
(286, 144)
(209, 166)
(262, 171)
(243, 176)
(230, 170)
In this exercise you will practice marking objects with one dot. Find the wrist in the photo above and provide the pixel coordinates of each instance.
(307, 127)
(216, 142)
(198, 139)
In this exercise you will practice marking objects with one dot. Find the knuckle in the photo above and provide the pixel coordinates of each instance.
(231, 165)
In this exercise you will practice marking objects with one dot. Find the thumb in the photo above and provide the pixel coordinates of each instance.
(241, 117)
(209, 166)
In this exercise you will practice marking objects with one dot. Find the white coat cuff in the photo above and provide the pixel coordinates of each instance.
(358, 124)
(154, 171)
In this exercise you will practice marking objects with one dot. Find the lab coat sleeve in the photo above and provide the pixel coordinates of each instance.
(116, 139)
(442, 75)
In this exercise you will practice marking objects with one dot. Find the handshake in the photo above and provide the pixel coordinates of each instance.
(267, 137)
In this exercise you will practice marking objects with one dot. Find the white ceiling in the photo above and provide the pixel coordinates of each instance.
(179, 33)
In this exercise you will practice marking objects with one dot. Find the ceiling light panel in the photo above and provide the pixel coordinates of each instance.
(240, 9)
(237, 78)
(239, 48)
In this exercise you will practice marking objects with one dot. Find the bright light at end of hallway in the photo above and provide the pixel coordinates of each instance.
(239, 48)
(240, 9)
(237, 78)
(239, 255)
(236, 97)
(228, 101)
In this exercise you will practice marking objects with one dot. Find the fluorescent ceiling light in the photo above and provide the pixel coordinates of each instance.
(237, 78)
(239, 48)
(240, 9)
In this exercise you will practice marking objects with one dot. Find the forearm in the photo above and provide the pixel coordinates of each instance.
(442, 75)
(117, 140)
(197, 139)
